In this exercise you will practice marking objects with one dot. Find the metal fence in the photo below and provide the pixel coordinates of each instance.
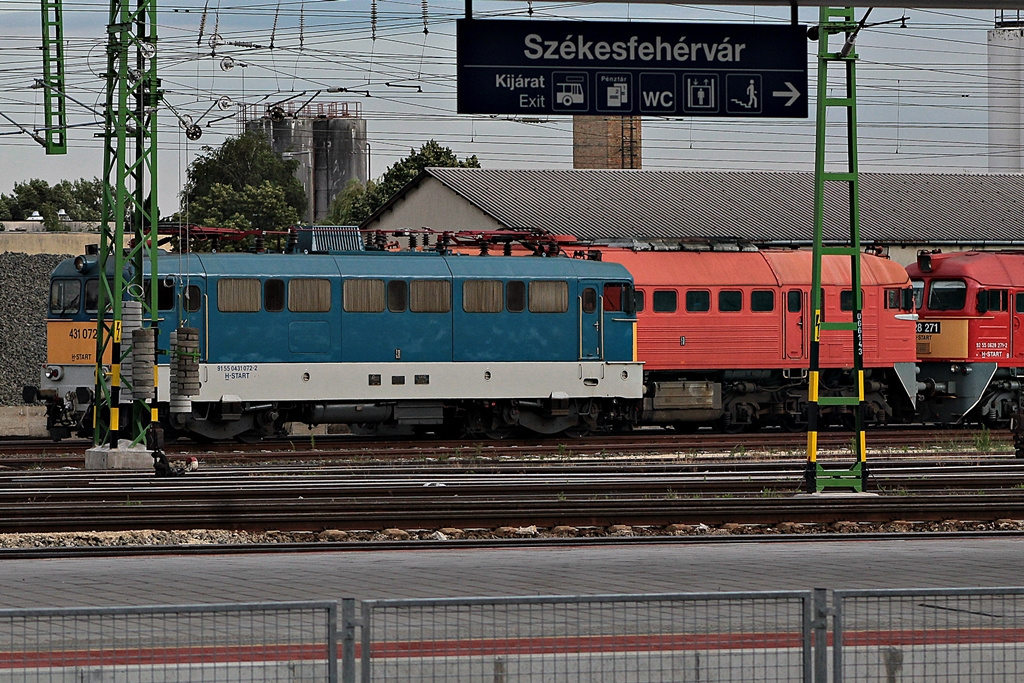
(610, 638)
(223, 643)
(929, 635)
(939, 636)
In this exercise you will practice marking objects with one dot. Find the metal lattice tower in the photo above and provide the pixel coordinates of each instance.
(128, 237)
(836, 22)
(54, 102)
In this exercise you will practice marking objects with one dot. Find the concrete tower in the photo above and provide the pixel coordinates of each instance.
(329, 142)
(1005, 59)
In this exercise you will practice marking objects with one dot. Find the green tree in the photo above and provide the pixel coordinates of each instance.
(358, 200)
(254, 207)
(245, 165)
(81, 200)
(353, 204)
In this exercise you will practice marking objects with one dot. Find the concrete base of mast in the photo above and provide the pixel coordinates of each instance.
(124, 457)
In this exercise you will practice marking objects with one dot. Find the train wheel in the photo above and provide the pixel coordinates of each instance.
(579, 432)
(794, 423)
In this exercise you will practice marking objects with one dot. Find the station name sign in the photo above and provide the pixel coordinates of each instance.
(531, 68)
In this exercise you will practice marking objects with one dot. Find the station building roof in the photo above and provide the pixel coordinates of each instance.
(899, 209)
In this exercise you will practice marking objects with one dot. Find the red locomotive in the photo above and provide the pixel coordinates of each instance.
(969, 336)
(725, 336)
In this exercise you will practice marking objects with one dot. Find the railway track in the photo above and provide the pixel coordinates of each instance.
(36, 453)
(365, 498)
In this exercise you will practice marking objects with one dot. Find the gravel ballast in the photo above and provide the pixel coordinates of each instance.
(24, 286)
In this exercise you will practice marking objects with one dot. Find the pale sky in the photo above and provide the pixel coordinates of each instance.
(922, 89)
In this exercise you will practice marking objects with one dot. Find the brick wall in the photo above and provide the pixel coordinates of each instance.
(606, 142)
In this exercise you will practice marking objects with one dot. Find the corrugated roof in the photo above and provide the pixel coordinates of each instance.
(758, 206)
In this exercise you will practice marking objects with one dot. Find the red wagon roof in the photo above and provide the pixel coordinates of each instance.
(753, 268)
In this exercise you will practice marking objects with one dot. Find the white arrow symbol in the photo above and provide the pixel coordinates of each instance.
(792, 93)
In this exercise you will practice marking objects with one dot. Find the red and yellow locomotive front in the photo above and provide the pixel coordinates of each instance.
(969, 336)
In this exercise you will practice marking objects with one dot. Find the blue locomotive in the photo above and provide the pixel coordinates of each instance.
(416, 340)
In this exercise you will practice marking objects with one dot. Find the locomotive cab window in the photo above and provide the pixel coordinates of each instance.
(165, 293)
(617, 298)
(65, 296)
(549, 296)
(309, 295)
(239, 295)
(900, 299)
(762, 301)
(92, 295)
(482, 296)
(729, 300)
(430, 296)
(273, 295)
(639, 300)
(664, 301)
(1019, 302)
(698, 301)
(947, 295)
(918, 288)
(992, 300)
(363, 296)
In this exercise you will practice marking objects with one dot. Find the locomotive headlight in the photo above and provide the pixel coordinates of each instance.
(54, 373)
(83, 264)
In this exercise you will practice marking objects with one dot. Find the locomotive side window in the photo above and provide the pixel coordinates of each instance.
(482, 296)
(238, 295)
(892, 298)
(639, 300)
(1019, 303)
(193, 298)
(589, 300)
(363, 296)
(664, 301)
(92, 295)
(515, 296)
(273, 295)
(762, 301)
(992, 300)
(65, 296)
(698, 301)
(430, 296)
(947, 295)
(398, 296)
(309, 295)
(549, 296)
(729, 300)
(846, 299)
(793, 300)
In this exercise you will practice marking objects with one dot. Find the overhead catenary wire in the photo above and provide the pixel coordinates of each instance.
(918, 74)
